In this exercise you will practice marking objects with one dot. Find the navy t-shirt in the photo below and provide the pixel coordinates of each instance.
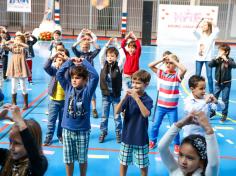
(135, 126)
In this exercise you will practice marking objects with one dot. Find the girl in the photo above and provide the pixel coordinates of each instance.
(205, 48)
(24, 158)
(198, 155)
(18, 69)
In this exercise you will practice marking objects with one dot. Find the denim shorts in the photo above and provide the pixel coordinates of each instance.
(75, 146)
(130, 154)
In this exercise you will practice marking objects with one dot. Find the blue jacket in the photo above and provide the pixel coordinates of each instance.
(52, 71)
(76, 114)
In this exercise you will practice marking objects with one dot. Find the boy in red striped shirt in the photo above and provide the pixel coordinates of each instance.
(169, 81)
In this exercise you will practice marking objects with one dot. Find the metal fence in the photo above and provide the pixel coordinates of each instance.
(78, 14)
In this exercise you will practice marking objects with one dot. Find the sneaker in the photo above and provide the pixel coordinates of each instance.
(60, 140)
(31, 83)
(176, 149)
(95, 113)
(102, 137)
(212, 113)
(152, 145)
(223, 118)
(118, 137)
(47, 142)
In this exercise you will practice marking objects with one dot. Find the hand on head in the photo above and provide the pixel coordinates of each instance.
(77, 60)
(15, 111)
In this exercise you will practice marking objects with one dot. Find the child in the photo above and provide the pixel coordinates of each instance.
(205, 48)
(84, 39)
(5, 37)
(76, 117)
(31, 40)
(133, 53)
(25, 156)
(198, 155)
(57, 97)
(169, 81)
(111, 85)
(18, 69)
(1, 62)
(223, 76)
(199, 101)
(56, 39)
(136, 106)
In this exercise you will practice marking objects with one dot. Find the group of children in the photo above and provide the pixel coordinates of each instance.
(72, 89)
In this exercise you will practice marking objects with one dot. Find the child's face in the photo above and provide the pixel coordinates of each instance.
(205, 26)
(221, 52)
(188, 160)
(17, 40)
(77, 81)
(170, 66)
(58, 62)
(17, 148)
(200, 90)
(111, 57)
(138, 86)
(56, 36)
(131, 50)
(84, 47)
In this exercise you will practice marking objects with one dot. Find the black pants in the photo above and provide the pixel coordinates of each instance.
(4, 64)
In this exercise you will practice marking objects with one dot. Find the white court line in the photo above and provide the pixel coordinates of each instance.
(158, 158)
(48, 152)
(223, 128)
(229, 141)
(220, 134)
(98, 156)
(95, 126)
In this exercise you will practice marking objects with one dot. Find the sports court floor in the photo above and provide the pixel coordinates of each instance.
(103, 158)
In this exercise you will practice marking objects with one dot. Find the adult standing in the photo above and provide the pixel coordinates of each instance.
(205, 36)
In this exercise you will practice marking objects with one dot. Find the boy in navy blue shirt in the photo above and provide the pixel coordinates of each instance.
(76, 117)
(136, 106)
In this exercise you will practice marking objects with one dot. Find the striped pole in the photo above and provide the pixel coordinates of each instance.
(57, 12)
(124, 18)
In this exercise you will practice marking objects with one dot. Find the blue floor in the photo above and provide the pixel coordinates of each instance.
(103, 158)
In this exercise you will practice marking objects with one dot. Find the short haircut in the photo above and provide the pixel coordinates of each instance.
(60, 44)
(57, 32)
(173, 56)
(142, 75)
(194, 80)
(225, 48)
(79, 71)
(165, 53)
(132, 44)
(112, 50)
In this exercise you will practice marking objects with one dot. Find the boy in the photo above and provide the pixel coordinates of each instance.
(56, 39)
(76, 117)
(223, 76)
(85, 52)
(169, 81)
(198, 101)
(31, 40)
(136, 106)
(132, 52)
(57, 97)
(111, 85)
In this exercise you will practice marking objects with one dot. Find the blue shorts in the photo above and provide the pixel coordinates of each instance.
(75, 146)
(130, 154)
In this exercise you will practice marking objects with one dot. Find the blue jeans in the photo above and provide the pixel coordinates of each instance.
(225, 88)
(55, 110)
(172, 114)
(126, 83)
(106, 102)
(199, 65)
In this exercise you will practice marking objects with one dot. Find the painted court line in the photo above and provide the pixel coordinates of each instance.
(98, 156)
(95, 126)
(220, 134)
(48, 152)
(223, 128)
(229, 141)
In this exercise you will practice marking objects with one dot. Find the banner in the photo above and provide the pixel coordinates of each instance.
(176, 23)
(19, 5)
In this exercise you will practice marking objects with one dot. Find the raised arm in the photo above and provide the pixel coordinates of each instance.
(180, 66)
(48, 67)
(153, 64)
(61, 73)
